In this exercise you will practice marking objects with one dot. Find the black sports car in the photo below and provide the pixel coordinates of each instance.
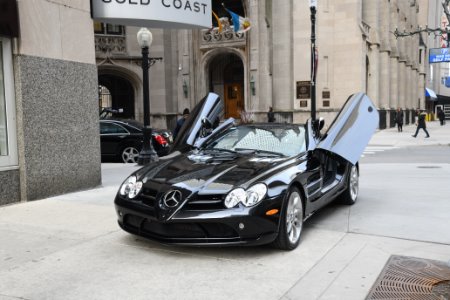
(246, 184)
(122, 140)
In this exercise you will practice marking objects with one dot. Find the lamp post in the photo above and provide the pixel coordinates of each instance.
(312, 7)
(147, 154)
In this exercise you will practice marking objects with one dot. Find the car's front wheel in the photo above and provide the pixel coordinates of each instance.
(130, 155)
(350, 195)
(291, 222)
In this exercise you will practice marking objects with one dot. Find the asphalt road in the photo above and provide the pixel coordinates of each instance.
(430, 154)
(70, 246)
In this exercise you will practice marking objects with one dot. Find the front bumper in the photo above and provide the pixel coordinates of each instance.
(237, 226)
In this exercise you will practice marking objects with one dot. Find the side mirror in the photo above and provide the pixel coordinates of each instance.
(317, 126)
(206, 127)
(206, 123)
(321, 123)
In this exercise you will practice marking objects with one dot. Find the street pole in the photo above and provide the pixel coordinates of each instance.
(148, 153)
(312, 6)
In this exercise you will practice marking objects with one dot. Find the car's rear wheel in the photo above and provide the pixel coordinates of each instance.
(350, 195)
(129, 155)
(291, 222)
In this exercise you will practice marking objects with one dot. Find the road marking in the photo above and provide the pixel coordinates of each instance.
(375, 149)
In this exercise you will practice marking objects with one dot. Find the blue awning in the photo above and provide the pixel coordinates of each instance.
(430, 93)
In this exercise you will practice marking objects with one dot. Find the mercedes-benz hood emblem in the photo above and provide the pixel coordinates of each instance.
(172, 198)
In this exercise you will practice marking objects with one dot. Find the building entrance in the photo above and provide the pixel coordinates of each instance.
(227, 80)
(118, 93)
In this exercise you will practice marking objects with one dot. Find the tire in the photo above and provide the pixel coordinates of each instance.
(129, 155)
(291, 222)
(350, 195)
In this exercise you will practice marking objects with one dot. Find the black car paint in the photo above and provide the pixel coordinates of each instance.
(258, 228)
(318, 173)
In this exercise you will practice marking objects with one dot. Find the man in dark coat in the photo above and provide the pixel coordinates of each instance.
(421, 124)
(180, 122)
(271, 115)
(441, 116)
(399, 119)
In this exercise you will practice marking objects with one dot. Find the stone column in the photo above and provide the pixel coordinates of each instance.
(402, 61)
(56, 81)
(385, 50)
(254, 53)
(282, 56)
(393, 83)
(370, 16)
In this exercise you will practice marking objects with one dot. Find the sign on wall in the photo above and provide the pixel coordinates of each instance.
(154, 13)
(303, 89)
(438, 55)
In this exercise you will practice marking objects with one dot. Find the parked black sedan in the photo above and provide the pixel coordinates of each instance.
(246, 184)
(122, 140)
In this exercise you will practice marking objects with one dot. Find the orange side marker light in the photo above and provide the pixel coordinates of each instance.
(271, 212)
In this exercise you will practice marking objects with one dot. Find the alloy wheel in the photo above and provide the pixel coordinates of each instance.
(294, 217)
(354, 183)
(130, 155)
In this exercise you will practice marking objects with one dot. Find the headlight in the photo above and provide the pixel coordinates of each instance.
(234, 197)
(255, 194)
(249, 197)
(131, 187)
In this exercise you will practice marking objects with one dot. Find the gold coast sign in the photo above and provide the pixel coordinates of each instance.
(154, 13)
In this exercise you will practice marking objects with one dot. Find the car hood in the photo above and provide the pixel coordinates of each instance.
(208, 173)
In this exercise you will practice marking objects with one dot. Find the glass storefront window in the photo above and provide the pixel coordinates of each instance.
(3, 124)
(8, 142)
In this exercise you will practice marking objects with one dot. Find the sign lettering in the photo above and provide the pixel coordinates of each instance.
(438, 55)
(154, 13)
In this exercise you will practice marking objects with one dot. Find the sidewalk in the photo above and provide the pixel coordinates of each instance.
(439, 135)
(70, 246)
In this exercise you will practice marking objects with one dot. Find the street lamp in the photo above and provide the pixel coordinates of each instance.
(147, 154)
(312, 7)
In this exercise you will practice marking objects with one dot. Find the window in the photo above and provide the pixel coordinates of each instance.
(110, 128)
(8, 143)
(288, 141)
(109, 29)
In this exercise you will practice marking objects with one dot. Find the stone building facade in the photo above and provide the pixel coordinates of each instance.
(269, 65)
(438, 78)
(50, 76)
(48, 100)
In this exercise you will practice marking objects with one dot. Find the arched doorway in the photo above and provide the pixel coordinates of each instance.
(121, 93)
(226, 74)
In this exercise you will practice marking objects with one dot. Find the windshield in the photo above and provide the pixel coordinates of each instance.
(287, 140)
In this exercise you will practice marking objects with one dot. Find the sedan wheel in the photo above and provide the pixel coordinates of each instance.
(130, 155)
(350, 195)
(291, 222)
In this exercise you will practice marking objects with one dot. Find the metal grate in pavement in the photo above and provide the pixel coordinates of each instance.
(412, 278)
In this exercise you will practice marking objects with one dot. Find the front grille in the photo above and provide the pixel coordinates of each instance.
(206, 202)
(188, 230)
(143, 226)
(133, 222)
(175, 230)
(148, 197)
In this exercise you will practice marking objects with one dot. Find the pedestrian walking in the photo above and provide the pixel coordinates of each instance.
(399, 119)
(441, 116)
(421, 124)
(271, 115)
(180, 122)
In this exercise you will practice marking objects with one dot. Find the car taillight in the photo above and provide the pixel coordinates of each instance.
(159, 139)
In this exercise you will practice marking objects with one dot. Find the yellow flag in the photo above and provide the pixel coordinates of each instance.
(218, 21)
